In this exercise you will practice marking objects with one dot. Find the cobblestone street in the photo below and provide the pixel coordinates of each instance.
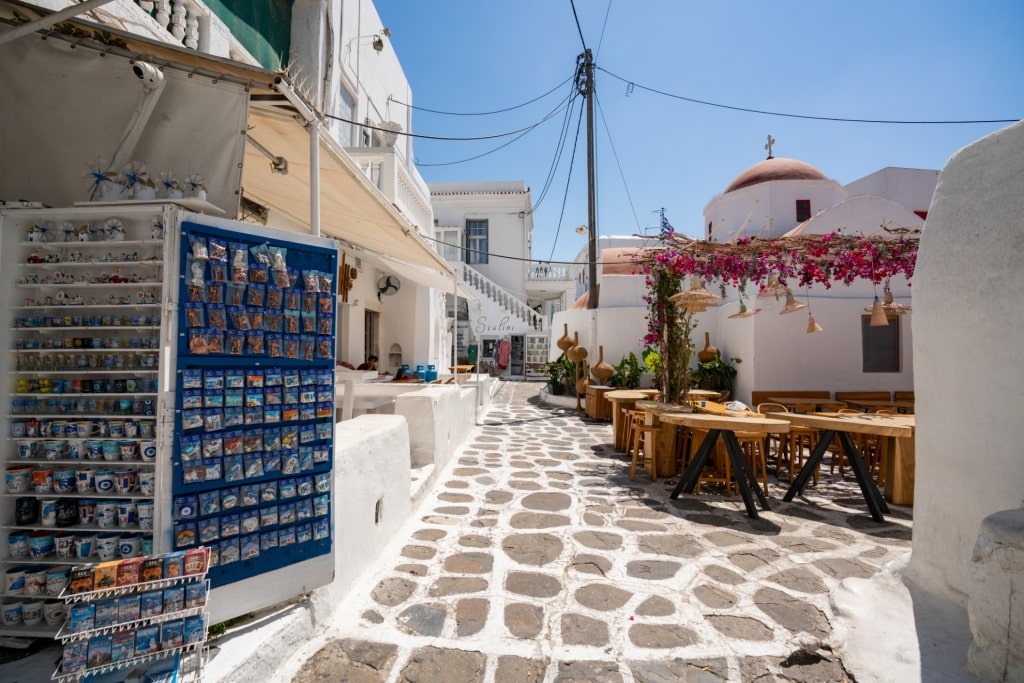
(536, 558)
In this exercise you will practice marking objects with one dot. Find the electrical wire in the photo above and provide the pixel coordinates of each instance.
(568, 178)
(421, 136)
(556, 161)
(565, 104)
(577, 18)
(634, 84)
(604, 25)
(491, 254)
(615, 154)
(481, 113)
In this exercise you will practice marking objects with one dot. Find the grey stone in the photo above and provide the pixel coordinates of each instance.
(469, 563)
(799, 579)
(468, 471)
(512, 669)
(655, 606)
(591, 564)
(414, 569)
(723, 575)
(525, 485)
(676, 545)
(588, 672)
(795, 615)
(426, 620)
(429, 534)
(681, 671)
(457, 484)
(452, 510)
(804, 544)
(474, 541)
(373, 616)
(548, 502)
(578, 629)
(741, 628)
(453, 585)
(393, 591)
(483, 523)
(470, 615)
(498, 497)
(524, 620)
(714, 597)
(349, 660)
(599, 540)
(455, 497)
(752, 561)
(724, 539)
(418, 552)
(661, 636)
(432, 665)
(526, 475)
(533, 584)
(602, 597)
(638, 525)
(592, 519)
(843, 568)
(652, 570)
(537, 520)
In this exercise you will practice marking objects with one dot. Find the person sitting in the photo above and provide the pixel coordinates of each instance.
(370, 364)
(346, 365)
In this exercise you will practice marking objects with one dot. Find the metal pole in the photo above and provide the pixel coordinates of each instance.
(49, 20)
(314, 177)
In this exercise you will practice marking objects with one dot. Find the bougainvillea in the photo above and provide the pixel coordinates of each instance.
(750, 264)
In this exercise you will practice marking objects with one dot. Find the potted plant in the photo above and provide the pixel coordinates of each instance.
(627, 372)
(715, 375)
(568, 374)
(556, 381)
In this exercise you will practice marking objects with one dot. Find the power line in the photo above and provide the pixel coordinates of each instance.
(615, 154)
(421, 136)
(568, 178)
(481, 113)
(556, 161)
(577, 18)
(491, 254)
(563, 105)
(634, 84)
(604, 25)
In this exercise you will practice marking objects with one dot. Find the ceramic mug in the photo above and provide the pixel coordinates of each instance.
(11, 613)
(54, 613)
(32, 612)
(104, 481)
(106, 514)
(35, 581)
(107, 546)
(130, 545)
(147, 483)
(65, 545)
(127, 514)
(18, 478)
(14, 581)
(144, 510)
(48, 512)
(84, 481)
(42, 480)
(56, 580)
(84, 545)
(86, 511)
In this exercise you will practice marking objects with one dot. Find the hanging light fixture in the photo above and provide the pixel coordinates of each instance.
(695, 294)
(772, 289)
(812, 326)
(792, 305)
(745, 312)
(890, 306)
(878, 317)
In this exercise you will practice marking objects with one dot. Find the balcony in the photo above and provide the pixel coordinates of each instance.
(406, 192)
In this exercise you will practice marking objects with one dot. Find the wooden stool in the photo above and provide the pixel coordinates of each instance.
(639, 430)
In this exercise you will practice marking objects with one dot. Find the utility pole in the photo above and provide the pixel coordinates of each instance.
(585, 86)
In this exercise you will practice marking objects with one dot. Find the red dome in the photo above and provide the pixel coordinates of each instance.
(776, 168)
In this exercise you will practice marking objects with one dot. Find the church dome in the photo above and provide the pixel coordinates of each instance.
(775, 168)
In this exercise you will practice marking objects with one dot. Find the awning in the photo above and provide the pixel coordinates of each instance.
(407, 271)
(351, 208)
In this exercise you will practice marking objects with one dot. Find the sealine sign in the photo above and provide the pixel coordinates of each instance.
(503, 326)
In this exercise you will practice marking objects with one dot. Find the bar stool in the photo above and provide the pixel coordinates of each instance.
(639, 430)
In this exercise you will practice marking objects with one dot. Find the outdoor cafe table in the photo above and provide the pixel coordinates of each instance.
(726, 426)
(622, 400)
(899, 458)
(902, 406)
(665, 443)
(792, 402)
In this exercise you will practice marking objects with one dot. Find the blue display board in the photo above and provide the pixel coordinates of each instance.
(254, 411)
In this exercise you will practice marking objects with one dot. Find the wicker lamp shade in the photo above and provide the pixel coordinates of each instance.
(792, 305)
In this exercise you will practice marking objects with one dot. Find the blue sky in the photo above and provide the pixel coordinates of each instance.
(907, 60)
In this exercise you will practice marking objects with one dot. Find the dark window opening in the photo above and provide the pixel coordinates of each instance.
(880, 345)
(803, 210)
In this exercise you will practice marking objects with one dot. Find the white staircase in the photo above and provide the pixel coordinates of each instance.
(511, 305)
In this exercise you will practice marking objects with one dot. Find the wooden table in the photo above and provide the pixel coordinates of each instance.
(726, 426)
(901, 406)
(899, 472)
(665, 442)
(622, 400)
(792, 402)
(702, 395)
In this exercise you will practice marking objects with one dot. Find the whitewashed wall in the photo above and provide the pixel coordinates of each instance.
(909, 187)
(969, 359)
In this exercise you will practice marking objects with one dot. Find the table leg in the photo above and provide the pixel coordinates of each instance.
(812, 463)
(745, 479)
(876, 504)
(689, 479)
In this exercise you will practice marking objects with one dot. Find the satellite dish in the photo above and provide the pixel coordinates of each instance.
(387, 285)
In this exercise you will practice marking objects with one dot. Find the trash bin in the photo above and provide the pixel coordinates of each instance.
(471, 353)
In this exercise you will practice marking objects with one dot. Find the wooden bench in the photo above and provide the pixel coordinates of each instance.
(864, 395)
(759, 397)
(903, 395)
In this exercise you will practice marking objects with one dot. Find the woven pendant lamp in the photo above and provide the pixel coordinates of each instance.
(792, 305)
(745, 312)
(812, 326)
(891, 307)
(878, 317)
(771, 290)
(695, 294)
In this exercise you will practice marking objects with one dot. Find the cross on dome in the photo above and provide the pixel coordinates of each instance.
(771, 141)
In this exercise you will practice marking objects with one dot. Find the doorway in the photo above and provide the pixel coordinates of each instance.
(371, 330)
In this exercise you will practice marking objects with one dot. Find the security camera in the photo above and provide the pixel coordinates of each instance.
(147, 73)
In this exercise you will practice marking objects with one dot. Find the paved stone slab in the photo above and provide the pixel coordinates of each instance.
(799, 579)
(498, 497)
(602, 597)
(514, 669)
(652, 570)
(471, 615)
(419, 552)
(548, 502)
(669, 544)
(413, 569)
(454, 585)
(469, 563)
(537, 520)
(579, 629)
(431, 534)
(456, 497)
(655, 606)
(588, 672)
(535, 549)
(350, 660)
(592, 564)
(432, 665)
(599, 540)
(742, 628)
(524, 620)
(661, 636)
(393, 590)
(714, 596)
(797, 616)
(681, 671)
(533, 584)
(426, 620)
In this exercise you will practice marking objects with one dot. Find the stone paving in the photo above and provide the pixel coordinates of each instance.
(538, 559)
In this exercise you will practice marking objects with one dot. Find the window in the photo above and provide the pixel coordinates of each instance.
(709, 229)
(880, 345)
(448, 244)
(476, 241)
(803, 210)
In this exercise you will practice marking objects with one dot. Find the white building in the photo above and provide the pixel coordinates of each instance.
(772, 198)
